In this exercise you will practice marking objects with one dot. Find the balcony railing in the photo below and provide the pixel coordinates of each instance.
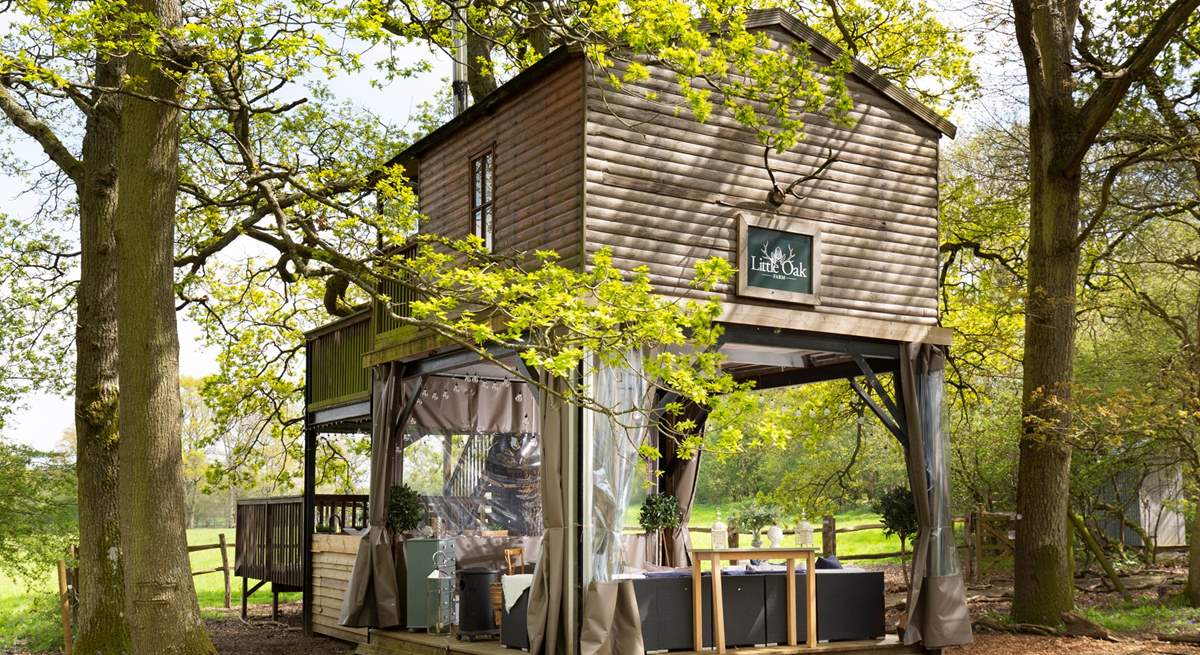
(335, 362)
(400, 298)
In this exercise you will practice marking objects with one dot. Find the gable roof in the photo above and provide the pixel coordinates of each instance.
(758, 19)
(761, 18)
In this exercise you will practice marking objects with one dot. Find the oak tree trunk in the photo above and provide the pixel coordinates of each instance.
(163, 613)
(1044, 585)
(481, 76)
(1063, 126)
(101, 613)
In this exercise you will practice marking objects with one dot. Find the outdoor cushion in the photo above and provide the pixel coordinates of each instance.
(514, 586)
(670, 573)
(829, 563)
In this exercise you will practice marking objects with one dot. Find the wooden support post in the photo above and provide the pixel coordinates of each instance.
(791, 600)
(829, 536)
(244, 594)
(718, 605)
(697, 606)
(64, 605)
(274, 603)
(225, 568)
(810, 606)
(308, 506)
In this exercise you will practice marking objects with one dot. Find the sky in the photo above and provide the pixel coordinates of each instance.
(43, 418)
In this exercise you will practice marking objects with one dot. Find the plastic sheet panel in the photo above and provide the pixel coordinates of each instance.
(943, 553)
(615, 463)
(471, 450)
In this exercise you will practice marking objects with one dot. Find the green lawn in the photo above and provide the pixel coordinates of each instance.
(1170, 615)
(849, 543)
(29, 613)
(29, 618)
(210, 587)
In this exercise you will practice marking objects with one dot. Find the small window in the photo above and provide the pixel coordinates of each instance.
(482, 168)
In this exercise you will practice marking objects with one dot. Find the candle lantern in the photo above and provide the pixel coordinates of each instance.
(720, 533)
(804, 533)
(439, 603)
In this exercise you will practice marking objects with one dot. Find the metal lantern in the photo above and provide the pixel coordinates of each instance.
(804, 534)
(439, 601)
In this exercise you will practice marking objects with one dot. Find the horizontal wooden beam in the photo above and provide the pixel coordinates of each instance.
(815, 341)
(793, 377)
(799, 318)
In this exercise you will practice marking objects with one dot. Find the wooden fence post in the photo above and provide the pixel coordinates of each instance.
(969, 546)
(225, 567)
(978, 528)
(829, 536)
(64, 603)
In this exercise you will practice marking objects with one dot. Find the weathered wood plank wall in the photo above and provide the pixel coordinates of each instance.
(665, 191)
(332, 562)
(538, 136)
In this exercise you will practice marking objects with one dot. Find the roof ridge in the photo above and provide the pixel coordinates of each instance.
(775, 16)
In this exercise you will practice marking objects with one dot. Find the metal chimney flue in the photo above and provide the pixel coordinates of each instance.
(459, 79)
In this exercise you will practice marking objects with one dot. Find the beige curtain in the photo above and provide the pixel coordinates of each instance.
(679, 479)
(547, 632)
(936, 596)
(611, 622)
(471, 405)
(375, 595)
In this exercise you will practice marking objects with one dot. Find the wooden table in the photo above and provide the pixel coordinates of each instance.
(716, 556)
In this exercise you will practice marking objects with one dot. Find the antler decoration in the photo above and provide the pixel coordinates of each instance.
(777, 196)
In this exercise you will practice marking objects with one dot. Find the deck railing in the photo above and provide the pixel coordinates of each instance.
(335, 362)
(335, 512)
(270, 533)
(400, 296)
(270, 543)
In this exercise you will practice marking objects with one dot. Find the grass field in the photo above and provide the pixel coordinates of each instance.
(29, 613)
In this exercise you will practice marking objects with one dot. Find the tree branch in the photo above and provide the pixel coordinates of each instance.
(31, 125)
(1098, 108)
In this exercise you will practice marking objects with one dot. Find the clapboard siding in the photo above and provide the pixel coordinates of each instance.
(332, 562)
(538, 137)
(664, 190)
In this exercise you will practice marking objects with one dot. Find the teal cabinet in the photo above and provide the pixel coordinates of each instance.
(419, 553)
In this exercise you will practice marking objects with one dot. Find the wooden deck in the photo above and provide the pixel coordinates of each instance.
(398, 642)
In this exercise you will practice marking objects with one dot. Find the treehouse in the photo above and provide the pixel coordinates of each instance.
(835, 242)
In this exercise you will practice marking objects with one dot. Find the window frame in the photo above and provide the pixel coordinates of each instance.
(486, 230)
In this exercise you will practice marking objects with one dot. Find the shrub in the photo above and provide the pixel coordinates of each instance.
(405, 509)
(660, 512)
(753, 517)
(899, 513)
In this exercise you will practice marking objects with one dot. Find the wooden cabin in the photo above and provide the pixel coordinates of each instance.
(841, 282)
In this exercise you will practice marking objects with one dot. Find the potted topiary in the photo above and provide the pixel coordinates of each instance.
(899, 514)
(405, 509)
(659, 512)
(752, 518)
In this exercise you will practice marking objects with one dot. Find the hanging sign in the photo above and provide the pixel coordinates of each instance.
(779, 259)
